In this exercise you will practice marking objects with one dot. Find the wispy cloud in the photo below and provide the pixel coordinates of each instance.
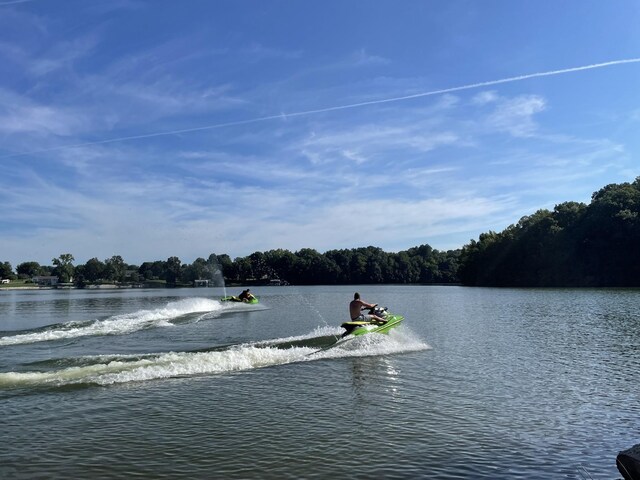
(348, 106)
(516, 115)
(261, 52)
(363, 58)
(63, 55)
(483, 98)
(15, 2)
(21, 115)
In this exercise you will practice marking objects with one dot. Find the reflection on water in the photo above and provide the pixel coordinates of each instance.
(373, 373)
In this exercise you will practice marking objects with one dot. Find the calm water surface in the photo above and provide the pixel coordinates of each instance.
(477, 383)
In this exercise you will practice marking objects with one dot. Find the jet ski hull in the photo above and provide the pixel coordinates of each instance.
(362, 328)
(236, 299)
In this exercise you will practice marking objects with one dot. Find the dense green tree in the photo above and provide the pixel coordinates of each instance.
(215, 268)
(92, 271)
(64, 267)
(198, 270)
(311, 267)
(281, 262)
(611, 234)
(29, 269)
(259, 267)
(244, 270)
(221, 266)
(342, 259)
(6, 271)
(376, 261)
(406, 270)
(358, 266)
(173, 270)
(132, 273)
(220, 260)
(152, 270)
(574, 245)
(115, 269)
(448, 268)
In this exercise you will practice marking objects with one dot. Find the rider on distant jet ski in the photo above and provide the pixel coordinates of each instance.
(246, 295)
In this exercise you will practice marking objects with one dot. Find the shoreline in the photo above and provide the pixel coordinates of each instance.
(25, 288)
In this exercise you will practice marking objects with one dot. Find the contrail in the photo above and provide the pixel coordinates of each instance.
(339, 107)
(13, 2)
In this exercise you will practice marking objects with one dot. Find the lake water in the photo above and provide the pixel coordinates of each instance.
(476, 383)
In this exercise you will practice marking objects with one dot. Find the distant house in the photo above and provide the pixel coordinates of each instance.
(201, 283)
(5, 280)
(45, 281)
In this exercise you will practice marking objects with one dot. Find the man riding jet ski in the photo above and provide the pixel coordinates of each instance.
(357, 306)
(377, 320)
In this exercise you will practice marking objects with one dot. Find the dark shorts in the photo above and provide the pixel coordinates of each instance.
(363, 317)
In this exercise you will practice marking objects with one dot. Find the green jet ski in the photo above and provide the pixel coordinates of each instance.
(359, 327)
(252, 300)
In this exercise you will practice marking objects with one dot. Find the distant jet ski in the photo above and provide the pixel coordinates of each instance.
(245, 297)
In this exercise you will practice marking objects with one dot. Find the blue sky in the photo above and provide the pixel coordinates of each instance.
(149, 129)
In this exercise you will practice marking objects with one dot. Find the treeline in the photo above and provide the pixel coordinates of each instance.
(575, 245)
(368, 265)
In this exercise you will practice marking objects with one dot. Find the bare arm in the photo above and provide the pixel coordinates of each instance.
(367, 305)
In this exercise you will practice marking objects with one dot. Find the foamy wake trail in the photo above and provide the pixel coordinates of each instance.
(107, 371)
(165, 365)
(318, 332)
(398, 340)
(120, 324)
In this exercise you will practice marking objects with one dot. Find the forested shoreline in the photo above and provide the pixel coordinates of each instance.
(368, 265)
(575, 245)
